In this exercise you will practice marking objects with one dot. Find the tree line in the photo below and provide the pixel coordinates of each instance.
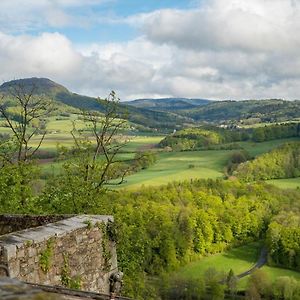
(159, 229)
(207, 137)
(282, 162)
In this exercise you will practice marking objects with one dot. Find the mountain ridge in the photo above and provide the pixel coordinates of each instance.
(59, 93)
(172, 113)
(171, 103)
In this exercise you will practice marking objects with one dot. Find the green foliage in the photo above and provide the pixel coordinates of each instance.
(235, 159)
(191, 138)
(182, 289)
(160, 228)
(259, 285)
(65, 277)
(231, 281)
(209, 137)
(286, 288)
(16, 187)
(89, 224)
(283, 239)
(46, 256)
(105, 245)
(143, 160)
(282, 162)
(273, 132)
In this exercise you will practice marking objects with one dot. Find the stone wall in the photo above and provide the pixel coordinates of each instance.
(76, 252)
(11, 223)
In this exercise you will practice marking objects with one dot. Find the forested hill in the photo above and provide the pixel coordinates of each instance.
(37, 85)
(168, 104)
(282, 162)
(271, 110)
(170, 113)
(57, 92)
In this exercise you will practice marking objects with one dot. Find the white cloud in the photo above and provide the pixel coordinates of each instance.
(256, 25)
(48, 55)
(225, 49)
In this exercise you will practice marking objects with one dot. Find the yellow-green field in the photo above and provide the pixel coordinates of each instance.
(290, 183)
(238, 259)
(170, 166)
(176, 166)
(259, 148)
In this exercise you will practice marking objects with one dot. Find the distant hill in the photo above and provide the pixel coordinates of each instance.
(60, 94)
(168, 104)
(270, 110)
(169, 113)
(39, 85)
(202, 110)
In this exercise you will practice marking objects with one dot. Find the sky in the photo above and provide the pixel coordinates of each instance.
(215, 49)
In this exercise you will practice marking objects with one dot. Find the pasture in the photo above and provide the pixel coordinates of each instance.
(170, 166)
(186, 165)
(255, 149)
(176, 166)
(238, 259)
(289, 183)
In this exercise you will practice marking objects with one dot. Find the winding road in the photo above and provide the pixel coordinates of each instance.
(262, 260)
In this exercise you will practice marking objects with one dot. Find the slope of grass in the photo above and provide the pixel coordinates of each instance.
(141, 143)
(174, 166)
(238, 259)
(259, 148)
(289, 183)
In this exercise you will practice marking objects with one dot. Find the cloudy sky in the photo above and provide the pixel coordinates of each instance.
(217, 49)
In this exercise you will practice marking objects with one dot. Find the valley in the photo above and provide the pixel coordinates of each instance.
(184, 189)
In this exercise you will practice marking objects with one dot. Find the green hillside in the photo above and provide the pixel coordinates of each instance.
(58, 93)
(168, 104)
(273, 110)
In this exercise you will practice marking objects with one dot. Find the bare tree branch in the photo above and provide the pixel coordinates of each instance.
(31, 107)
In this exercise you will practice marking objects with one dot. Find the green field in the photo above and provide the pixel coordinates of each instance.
(259, 148)
(170, 166)
(175, 166)
(290, 183)
(141, 143)
(238, 259)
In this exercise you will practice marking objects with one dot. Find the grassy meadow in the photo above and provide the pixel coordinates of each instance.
(238, 259)
(255, 149)
(289, 183)
(170, 166)
(176, 166)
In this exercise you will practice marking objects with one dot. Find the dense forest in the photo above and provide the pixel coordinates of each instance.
(283, 162)
(159, 229)
(283, 239)
(271, 110)
(210, 136)
(244, 112)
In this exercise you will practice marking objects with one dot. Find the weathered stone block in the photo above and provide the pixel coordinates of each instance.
(68, 245)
